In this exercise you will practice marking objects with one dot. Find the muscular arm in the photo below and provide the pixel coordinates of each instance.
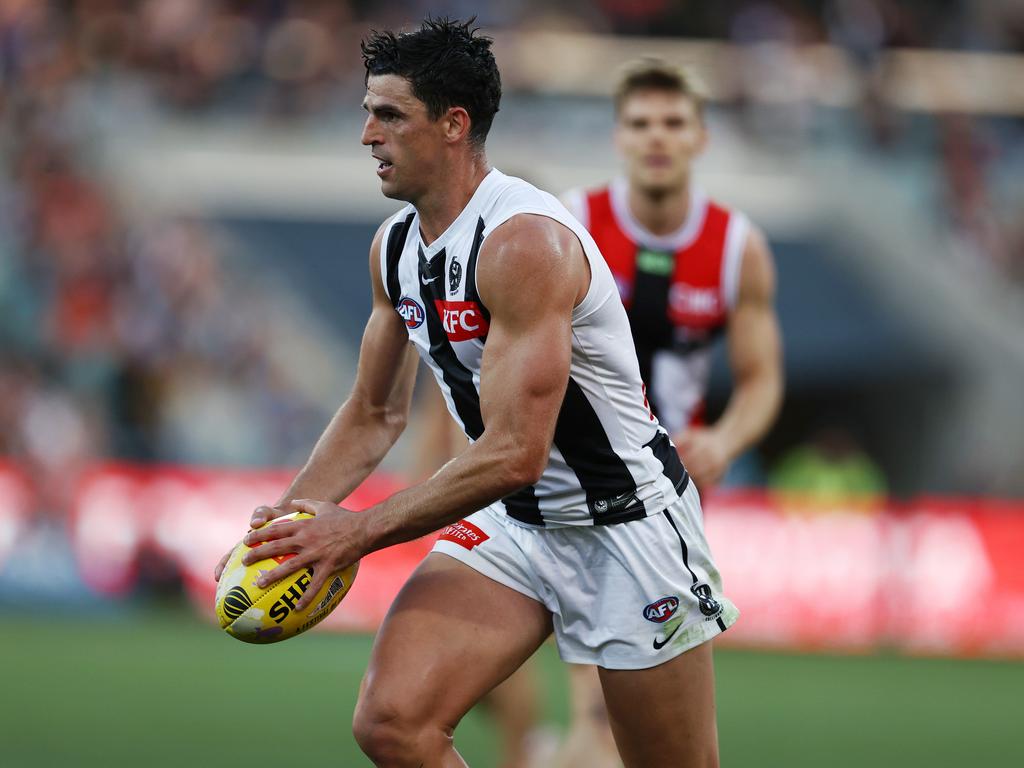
(756, 360)
(531, 274)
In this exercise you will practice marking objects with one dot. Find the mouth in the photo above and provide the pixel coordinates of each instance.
(383, 166)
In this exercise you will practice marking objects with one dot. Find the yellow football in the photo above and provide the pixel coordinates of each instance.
(256, 614)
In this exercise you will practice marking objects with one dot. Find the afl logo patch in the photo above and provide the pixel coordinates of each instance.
(412, 312)
(236, 602)
(662, 610)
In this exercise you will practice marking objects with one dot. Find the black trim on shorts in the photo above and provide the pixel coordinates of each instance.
(686, 559)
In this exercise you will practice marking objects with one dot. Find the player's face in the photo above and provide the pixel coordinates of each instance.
(405, 142)
(659, 133)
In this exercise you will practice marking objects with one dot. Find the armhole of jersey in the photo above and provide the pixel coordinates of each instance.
(575, 201)
(732, 259)
(391, 251)
(383, 256)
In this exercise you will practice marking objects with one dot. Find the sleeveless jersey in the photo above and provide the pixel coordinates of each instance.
(610, 461)
(678, 290)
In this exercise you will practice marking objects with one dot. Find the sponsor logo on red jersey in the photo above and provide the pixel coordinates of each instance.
(463, 533)
(688, 300)
(462, 320)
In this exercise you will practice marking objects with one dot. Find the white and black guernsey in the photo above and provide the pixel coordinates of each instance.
(611, 461)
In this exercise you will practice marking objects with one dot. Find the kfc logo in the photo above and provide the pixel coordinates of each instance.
(462, 320)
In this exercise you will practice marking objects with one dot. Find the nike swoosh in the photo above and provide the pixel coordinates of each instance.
(658, 646)
(426, 282)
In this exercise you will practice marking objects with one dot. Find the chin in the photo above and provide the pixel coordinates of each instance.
(660, 184)
(392, 192)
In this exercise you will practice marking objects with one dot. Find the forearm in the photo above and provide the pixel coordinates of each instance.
(476, 478)
(350, 448)
(751, 411)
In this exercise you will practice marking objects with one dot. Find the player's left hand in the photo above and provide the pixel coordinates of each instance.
(329, 542)
(704, 455)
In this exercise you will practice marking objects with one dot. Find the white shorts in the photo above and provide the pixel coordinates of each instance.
(625, 596)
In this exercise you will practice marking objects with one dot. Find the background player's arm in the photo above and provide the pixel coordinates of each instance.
(755, 357)
(370, 421)
(531, 274)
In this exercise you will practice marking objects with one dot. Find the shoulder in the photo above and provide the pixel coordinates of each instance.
(528, 250)
(383, 235)
(757, 269)
(535, 235)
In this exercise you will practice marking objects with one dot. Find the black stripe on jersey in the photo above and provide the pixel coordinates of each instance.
(395, 246)
(604, 476)
(457, 377)
(523, 506)
(648, 317)
(671, 466)
(471, 292)
(708, 605)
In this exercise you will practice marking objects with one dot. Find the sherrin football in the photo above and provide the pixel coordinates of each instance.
(267, 615)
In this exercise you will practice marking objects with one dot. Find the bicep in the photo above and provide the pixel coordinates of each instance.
(530, 283)
(754, 339)
(387, 361)
(523, 375)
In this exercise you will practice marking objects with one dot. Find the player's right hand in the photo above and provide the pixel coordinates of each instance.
(260, 517)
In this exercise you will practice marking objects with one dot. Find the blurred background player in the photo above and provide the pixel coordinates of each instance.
(689, 270)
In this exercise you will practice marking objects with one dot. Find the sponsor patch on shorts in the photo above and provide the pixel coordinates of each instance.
(463, 533)
(661, 610)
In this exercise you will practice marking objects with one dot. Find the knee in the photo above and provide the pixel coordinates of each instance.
(392, 734)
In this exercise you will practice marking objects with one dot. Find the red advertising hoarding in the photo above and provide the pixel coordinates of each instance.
(937, 576)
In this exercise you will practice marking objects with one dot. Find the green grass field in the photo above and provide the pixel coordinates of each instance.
(162, 689)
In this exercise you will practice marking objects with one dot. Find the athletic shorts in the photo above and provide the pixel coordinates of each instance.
(624, 596)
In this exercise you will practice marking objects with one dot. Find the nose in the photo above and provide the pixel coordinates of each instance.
(370, 137)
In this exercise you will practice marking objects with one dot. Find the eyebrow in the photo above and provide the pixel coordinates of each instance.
(382, 108)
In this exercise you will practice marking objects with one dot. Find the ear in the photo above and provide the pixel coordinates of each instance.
(456, 124)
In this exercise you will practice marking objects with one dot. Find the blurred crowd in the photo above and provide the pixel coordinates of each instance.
(130, 336)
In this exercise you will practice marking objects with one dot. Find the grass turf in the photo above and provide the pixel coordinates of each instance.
(162, 689)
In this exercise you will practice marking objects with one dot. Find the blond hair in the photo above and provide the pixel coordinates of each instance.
(650, 74)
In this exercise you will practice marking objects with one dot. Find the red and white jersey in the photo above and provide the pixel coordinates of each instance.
(678, 290)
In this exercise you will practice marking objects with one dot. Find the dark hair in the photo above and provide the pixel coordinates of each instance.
(650, 74)
(447, 64)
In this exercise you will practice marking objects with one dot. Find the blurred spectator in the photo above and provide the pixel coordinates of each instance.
(830, 472)
(978, 235)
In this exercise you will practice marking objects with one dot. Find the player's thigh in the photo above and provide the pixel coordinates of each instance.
(451, 635)
(665, 715)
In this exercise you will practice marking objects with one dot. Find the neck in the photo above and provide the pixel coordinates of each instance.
(660, 211)
(442, 205)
